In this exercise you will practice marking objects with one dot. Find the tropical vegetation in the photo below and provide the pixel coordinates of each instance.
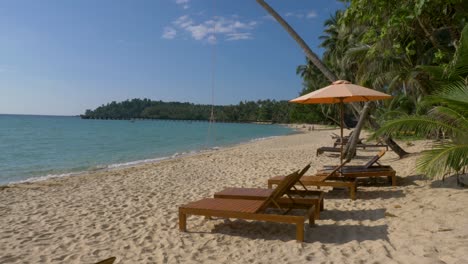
(412, 50)
(446, 119)
(247, 111)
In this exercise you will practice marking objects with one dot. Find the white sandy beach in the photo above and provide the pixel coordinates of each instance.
(131, 213)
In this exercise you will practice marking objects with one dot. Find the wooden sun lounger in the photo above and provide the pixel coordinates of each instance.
(346, 178)
(297, 199)
(345, 141)
(372, 162)
(322, 150)
(323, 180)
(375, 171)
(320, 179)
(305, 200)
(363, 146)
(250, 209)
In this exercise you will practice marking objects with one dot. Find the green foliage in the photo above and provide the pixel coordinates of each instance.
(248, 111)
(414, 51)
(448, 118)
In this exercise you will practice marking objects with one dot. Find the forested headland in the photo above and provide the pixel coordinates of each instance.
(248, 111)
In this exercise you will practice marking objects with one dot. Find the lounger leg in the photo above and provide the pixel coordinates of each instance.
(317, 209)
(182, 221)
(270, 185)
(300, 232)
(352, 192)
(312, 215)
(393, 180)
(322, 205)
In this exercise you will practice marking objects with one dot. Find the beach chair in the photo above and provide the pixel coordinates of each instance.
(335, 149)
(336, 136)
(322, 150)
(296, 199)
(373, 162)
(363, 145)
(250, 209)
(345, 141)
(347, 176)
(353, 173)
(371, 169)
(330, 178)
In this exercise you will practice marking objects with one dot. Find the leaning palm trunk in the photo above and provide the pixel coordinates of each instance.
(350, 150)
(309, 53)
(330, 76)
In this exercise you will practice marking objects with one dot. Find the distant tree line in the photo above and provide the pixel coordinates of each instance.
(246, 111)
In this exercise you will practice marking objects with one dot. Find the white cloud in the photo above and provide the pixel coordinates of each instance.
(211, 39)
(210, 30)
(169, 33)
(238, 36)
(268, 17)
(300, 15)
(183, 3)
(311, 14)
(183, 21)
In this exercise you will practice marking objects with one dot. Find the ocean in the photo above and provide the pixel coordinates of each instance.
(39, 147)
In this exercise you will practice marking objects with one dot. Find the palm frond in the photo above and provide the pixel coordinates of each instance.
(420, 125)
(443, 158)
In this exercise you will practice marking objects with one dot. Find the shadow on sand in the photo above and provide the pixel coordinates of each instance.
(411, 180)
(331, 233)
(363, 194)
(452, 182)
(359, 215)
(286, 232)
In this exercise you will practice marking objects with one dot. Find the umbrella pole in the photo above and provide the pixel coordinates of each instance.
(341, 126)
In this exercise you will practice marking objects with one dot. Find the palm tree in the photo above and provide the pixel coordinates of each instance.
(448, 115)
(309, 53)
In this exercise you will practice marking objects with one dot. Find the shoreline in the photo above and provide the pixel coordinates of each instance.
(136, 163)
(132, 163)
(131, 213)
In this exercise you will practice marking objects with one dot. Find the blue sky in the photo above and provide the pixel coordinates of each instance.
(62, 57)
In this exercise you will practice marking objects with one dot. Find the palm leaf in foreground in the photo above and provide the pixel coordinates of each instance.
(444, 158)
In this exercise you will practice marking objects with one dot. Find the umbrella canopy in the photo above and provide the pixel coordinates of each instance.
(341, 92)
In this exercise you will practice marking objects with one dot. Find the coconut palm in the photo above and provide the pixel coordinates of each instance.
(448, 116)
(331, 77)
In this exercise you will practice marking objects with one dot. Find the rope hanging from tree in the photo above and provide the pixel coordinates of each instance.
(212, 38)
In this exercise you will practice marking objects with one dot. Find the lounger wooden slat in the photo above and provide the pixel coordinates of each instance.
(362, 145)
(346, 178)
(227, 213)
(385, 171)
(294, 199)
(322, 150)
(301, 200)
(249, 209)
(246, 206)
(373, 162)
(320, 181)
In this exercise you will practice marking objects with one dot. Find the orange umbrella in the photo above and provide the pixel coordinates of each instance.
(341, 92)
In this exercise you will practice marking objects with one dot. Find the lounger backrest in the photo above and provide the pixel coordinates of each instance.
(337, 168)
(375, 159)
(285, 185)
